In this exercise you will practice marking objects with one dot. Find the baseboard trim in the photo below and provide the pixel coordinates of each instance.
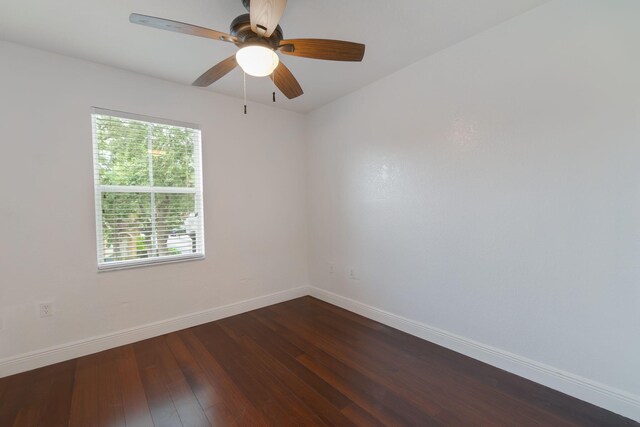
(612, 399)
(60, 353)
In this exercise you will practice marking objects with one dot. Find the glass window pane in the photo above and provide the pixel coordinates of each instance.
(172, 156)
(123, 157)
(126, 226)
(175, 225)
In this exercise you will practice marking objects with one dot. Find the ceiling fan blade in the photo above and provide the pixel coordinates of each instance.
(265, 15)
(333, 50)
(285, 81)
(179, 27)
(216, 72)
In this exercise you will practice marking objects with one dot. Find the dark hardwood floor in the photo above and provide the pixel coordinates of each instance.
(303, 362)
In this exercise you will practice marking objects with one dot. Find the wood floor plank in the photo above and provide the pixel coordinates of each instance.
(57, 407)
(134, 399)
(454, 388)
(97, 391)
(184, 399)
(15, 397)
(110, 404)
(170, 398)
(373, 397)
(234, 408)
(30, 413)
(3, 387)
(301, 362)
(500, 382)
(360, 417)
(301, 390)
(259, 384)
(219, 407)
(430, 384)
(84, 402)
(329, 353)
(278, 347)
(4, 383)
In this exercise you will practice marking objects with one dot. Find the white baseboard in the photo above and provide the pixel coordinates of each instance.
(60, 353)
(612, 399)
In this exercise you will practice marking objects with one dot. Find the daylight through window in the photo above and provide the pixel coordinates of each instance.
(148, 187)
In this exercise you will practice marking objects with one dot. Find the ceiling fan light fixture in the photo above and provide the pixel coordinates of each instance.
(257, 61)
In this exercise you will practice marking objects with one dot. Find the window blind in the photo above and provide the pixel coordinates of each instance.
(148, 187)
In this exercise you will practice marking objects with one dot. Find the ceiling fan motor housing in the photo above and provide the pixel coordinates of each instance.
(241, 29)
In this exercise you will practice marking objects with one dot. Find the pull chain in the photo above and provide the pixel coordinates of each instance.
(273, 81)
(244, 81)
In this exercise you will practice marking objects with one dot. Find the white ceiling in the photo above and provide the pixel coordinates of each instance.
(396, 33)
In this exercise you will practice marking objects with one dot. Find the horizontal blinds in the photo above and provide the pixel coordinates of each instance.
(148, 190)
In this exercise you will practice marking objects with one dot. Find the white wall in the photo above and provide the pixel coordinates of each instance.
(495, 180)
(493, 191)
(254, 201)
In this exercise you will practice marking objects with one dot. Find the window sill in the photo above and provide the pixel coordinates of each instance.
(125, 265)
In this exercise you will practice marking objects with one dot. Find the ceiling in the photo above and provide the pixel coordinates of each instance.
(396, 33)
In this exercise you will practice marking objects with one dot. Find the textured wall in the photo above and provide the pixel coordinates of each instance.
(493, 190)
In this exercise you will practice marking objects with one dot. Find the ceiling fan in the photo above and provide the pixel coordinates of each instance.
(258, 37)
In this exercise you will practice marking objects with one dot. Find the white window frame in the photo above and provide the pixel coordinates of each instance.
(152, 190)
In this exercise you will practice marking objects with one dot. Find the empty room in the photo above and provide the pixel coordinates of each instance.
(320, 213)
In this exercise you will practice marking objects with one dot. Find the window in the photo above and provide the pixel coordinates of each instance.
(148, 187)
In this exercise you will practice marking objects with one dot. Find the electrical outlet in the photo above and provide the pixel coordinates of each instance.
(46, 309)
(332, 268)
(353, 274)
